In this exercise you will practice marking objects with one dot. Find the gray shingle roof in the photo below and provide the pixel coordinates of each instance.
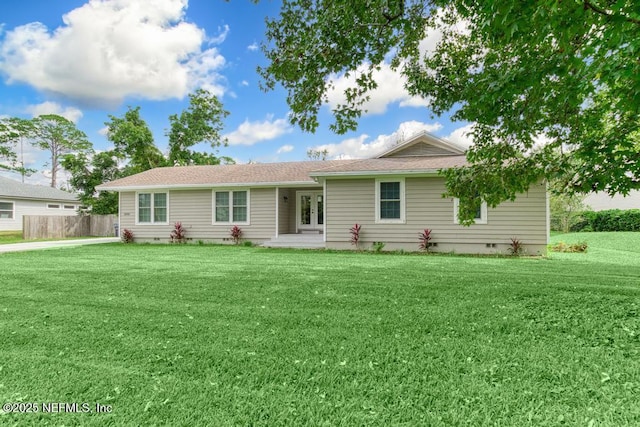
(278, 173)
(10, 188)
(253, 173)
(392, 165)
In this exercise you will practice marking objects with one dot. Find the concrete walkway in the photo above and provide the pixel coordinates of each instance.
(52, 244)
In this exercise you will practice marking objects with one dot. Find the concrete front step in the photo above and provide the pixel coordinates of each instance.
(297, 245)
(312, 241)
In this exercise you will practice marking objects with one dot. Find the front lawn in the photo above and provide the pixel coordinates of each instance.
(11, 237)
(210, 335)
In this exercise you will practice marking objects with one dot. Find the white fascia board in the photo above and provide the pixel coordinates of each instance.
(373, 174)
(209, 185)
(39, 199)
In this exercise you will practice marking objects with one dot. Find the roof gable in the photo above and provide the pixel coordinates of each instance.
(10, 188)
(423, 145)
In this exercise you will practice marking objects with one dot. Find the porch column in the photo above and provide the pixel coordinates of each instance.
(324, 210)
(277, 211)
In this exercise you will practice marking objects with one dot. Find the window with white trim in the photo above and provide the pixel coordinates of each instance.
(152, 208)
(6, 210)
(390, 200)
(53, 206)
(481, 212)
(231, 206)
(69, 207)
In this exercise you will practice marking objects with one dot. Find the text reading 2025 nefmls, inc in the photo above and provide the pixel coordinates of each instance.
(56, 407)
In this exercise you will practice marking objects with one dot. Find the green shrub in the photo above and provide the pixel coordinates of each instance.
(377, 246)
(609, 220)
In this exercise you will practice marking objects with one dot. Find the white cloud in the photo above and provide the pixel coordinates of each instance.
(461, 136)
(362, 147)
(253, 47)
(390, 90)
(244, 83)
(108, 50)
(285, 149)
(70, 113)
(223, 32)
(249, 133)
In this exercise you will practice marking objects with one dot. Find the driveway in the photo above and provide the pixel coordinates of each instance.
(52, 244)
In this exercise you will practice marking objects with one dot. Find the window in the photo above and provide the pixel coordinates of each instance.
(390, 201)
(481, 213)
(231, 206)
(160, 207)
(53, 206)
(152, 208)
(6, 210)
(239, 206)
(69, 206)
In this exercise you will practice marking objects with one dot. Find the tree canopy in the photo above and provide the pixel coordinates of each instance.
(9, 135)
(133, 140)
(552, 88)
(202, 121)
(58, 136)
(88, 170)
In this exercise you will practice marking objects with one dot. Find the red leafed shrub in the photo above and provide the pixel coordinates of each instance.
(236, 234)
(516, 247)
(179, 234)
(355, 234)
(425, 238)
(127, 236)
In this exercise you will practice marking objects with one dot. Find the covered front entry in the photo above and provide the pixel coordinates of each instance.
(299, 218)
(310, 211)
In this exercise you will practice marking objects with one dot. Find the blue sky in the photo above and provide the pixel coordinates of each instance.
(87, 60)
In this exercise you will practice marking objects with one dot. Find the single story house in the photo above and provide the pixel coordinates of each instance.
(393, 196)
(18, 199)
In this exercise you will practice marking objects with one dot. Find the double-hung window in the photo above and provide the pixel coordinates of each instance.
(231, 206)
(6, 210)
(390, 200)
(152, 208)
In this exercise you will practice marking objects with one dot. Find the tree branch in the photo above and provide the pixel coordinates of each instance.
(589, 5)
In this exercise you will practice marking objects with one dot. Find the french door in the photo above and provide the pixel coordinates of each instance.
(310, 211)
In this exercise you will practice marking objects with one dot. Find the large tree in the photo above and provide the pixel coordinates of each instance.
(553, 87)
(88, 170)
(58, 136)
(10, 135)
(202, 121)
(133, 141)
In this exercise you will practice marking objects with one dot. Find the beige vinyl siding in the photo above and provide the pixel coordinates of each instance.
(352, 201)
(283, 210)
(194, 209)
(293, 211)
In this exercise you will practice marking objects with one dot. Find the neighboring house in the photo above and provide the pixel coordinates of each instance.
(393, 197)
(18, 199)
(602, 201)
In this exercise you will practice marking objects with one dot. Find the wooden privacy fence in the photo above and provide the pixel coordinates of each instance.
(60, 227)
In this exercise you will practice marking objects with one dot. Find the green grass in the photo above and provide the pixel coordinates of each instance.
(210, 335)
(10, 237)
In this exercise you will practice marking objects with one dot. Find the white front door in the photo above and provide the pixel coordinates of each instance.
(310, 211)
